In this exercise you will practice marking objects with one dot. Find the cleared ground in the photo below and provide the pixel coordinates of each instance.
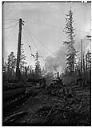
(42, 108)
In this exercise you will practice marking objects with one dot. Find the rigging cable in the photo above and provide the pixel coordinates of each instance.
(31, 49)
(33, 41)
(49, 25)
(29, 44)
(43, 44)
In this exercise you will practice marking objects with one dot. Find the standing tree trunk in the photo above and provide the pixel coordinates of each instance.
(70, 43)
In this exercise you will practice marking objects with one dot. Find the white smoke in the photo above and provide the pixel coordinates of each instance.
(57, 63)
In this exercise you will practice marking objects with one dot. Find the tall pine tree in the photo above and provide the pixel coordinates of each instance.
(69, 30)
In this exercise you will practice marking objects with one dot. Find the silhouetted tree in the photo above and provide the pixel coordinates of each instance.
(11, 64)
(5, 70)
(88, 61)
(22, 60)
(69, 30)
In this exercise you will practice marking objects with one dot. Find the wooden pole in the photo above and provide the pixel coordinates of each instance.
(19, 49)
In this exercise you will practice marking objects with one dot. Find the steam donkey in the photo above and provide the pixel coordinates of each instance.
(55, 86)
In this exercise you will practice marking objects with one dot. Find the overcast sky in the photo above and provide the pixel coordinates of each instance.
(44, 23)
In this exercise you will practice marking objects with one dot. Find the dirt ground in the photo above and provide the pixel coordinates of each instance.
(45, 109)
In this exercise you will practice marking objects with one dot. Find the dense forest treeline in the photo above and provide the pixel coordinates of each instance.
(9, 70)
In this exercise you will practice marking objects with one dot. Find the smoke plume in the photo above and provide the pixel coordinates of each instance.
(57, 63)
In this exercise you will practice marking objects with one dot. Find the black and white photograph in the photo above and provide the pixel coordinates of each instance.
(46, 63)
